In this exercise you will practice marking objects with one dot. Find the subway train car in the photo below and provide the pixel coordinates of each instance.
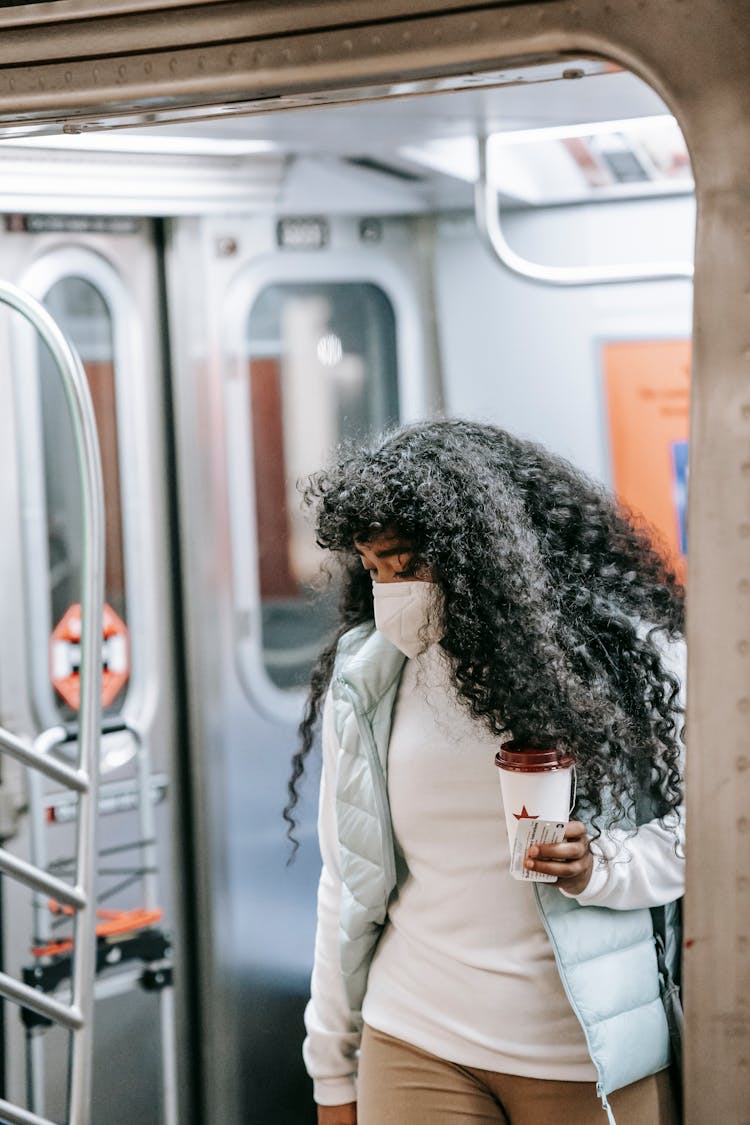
(263, 229)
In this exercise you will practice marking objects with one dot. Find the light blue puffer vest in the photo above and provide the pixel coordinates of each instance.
(606, 958)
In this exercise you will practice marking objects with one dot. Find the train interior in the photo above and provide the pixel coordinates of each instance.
(245, 291)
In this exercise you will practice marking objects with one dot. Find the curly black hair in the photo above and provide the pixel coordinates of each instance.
(554, 601)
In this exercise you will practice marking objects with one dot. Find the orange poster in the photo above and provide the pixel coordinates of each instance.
(648, 404)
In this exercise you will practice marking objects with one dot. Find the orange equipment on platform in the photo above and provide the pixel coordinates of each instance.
(115, 923)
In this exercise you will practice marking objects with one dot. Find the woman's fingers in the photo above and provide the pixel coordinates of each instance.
(570, 861)
(575, 844)
(560, 851)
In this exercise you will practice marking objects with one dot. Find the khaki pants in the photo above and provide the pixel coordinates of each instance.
(401, 1085)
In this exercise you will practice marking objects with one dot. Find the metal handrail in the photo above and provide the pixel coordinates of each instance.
(40, 881)
(32, 998)
(487, 214)
(46, 742)
(36, 759)
(84, 779)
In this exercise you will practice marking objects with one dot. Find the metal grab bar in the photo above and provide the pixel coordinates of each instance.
(39, 881)
(35, 759)
(84, 780)
(55, 738)
(487, 214)
(31, 998)
(19, 1116)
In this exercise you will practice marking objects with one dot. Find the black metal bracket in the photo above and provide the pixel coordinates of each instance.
(148, 946)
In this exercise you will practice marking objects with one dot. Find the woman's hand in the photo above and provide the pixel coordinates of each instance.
(338, 1114)
(571, 861)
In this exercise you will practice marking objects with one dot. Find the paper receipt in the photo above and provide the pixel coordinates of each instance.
(534, 832)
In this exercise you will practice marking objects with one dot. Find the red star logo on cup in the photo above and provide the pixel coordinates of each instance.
(525, 815)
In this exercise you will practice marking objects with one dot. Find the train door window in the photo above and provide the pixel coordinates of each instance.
(82, 312)
(321, 367)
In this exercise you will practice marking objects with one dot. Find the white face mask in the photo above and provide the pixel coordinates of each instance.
(409, 614)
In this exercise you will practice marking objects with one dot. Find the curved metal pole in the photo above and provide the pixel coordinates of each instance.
(487, 213)
(92, 599)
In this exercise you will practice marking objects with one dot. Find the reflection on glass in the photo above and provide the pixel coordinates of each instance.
(80, 310)
(321, 367)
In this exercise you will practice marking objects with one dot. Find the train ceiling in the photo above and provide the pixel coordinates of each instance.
(562, 132)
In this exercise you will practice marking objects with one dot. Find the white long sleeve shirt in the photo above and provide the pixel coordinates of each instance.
(464, 969)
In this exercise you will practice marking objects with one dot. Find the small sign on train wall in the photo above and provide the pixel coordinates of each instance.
(648, 398)
(65, 656)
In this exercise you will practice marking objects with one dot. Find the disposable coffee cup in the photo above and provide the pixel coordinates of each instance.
(536, 785)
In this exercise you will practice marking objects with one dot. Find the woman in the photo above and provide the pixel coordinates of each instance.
(489, 591)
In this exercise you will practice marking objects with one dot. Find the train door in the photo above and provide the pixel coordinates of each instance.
(314, 335)
(99, 279)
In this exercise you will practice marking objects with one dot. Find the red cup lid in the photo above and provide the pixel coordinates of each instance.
(510, 756)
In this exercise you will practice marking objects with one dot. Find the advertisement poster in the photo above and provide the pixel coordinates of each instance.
(647, 386)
